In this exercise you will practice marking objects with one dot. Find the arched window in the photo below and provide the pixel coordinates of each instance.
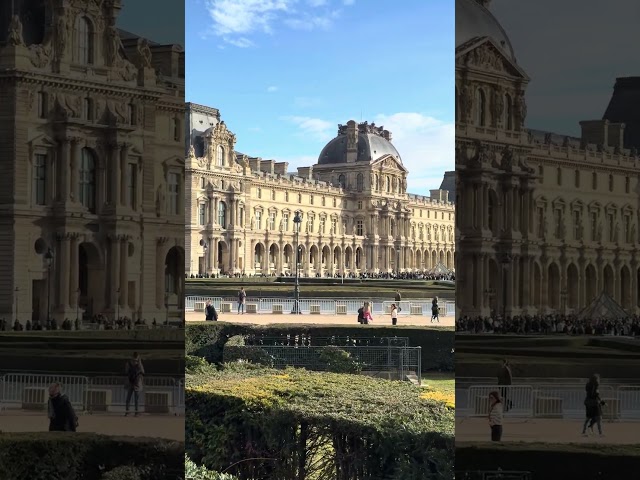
(87, 190)
(220, 156)
(481, 108)
(360, 182)
(388, 184)
(342, 181)
(222, 214)
(83, 41)
(508, 112)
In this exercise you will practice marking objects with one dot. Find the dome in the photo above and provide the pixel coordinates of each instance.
(373, 143)
(473, 20)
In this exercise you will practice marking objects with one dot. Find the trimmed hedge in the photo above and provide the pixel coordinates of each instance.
(208, 339)
(550, 461)
(299, 425)
(69, 456)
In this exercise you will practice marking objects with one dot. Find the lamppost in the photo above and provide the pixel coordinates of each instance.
(205, 246)
(297, 220)
(48, 257)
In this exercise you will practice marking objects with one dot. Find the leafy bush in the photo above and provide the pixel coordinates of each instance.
(37, 456)
(339, 361)
(195, 472)
(209, 340)
(298, 424)
(251, 354)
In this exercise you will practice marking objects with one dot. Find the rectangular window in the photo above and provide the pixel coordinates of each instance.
(241, 219)
(42, 105)
(627, 184)
(273, 194)
(310, 224)
(259, 220)
(272, 221)
(612, 227)
(627, 229)
(359, 228)
(202, 183)
(174, 194)
(558, 221)
(132, 185)
(359, 204)
(175, 127)
(40, 180)
(259, 193)
(322, 223)
(334, 203)
(202, 213)
(311, 199)
(594, 226)
(132, 115)
(88, 109)
(334, 225)
(576, 225)
(285, 222)
(540, 222)
(594, 180)
(286, 196)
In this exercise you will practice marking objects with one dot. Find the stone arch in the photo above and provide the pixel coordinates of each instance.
(591, 283)
(573, 287)
(434, 260)
(314, 258)
(418, 259)
(625, 287)
(274, 253)
(90, 294)
(288, 258)
(348, 260)
(359, 258)
(325, 258)
(608, 285)
(553, 286)
(174, 279)
(259, 253)
(449, 260)
(337, 262)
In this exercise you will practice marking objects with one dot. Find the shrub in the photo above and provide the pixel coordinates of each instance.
(337, 360)
(195, 472)
(297, 424)
(69, 456)
(208, 340)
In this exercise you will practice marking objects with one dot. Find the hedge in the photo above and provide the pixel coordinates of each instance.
(550, 461)
(199, 472)
(208, 339)
(69, 456)
(256, 422)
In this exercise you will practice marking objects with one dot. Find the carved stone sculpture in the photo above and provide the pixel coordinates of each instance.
(61, 28)
(507, 158)
(466, 103)
(15, 32)
(112, 45)
(144, 53)
(498, 105)
(521, 109)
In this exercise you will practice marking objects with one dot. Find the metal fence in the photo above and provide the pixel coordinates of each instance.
(318, 306)
(24, 391)
(303, 340)
(391, 362)
(549, 401)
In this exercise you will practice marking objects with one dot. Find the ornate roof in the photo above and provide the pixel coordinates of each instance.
(373, 144)
(474, 20)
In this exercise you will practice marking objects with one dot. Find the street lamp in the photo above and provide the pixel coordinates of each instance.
(48, 257)
(205, 246)
(297, 220)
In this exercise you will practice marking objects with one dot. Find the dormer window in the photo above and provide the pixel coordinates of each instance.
(83, 44)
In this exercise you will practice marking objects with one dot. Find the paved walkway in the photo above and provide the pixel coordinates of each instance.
(268, 318)
(155, 426)
(547, 431)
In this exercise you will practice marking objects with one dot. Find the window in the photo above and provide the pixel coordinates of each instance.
(481, 108)
(42, 105)
(132, 185)
(272, 220)
(88, 109)
(241, 219)
(299, 198)
(559, 176)
(202, 180)
(627, 229)
(360, 182)
(83, 47)
(310, 224)
(87, 190)
(508, 112)
(40, 180)
(202, 213)
(388, 184)
(594, 180)
(577, 178)
(322, 224)
(334, 226)
(359, 228)
(258, 220)
(222, 214)
(594, 226)
(273, 194)
(334, 203)
(174, 194)
(220, 156)
(285, 222)
(627, 184)
(311, 199)
(421, 233)
(610, 183)
(540, 222)
(132, 114)
(342, 181)
(557, 213)
(420, 213)
(576, 224)
(176, 129)
(286, 196)
(259, 193)
(359, 204)
(612, 226)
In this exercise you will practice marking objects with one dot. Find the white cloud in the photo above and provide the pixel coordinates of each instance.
(235, 20)
(315, 128)
(272, 89)
(426, 145)
(306, 102)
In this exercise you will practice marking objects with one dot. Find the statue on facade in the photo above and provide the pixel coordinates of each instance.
(466, 103)
(112, 45)
(404, 185)
(507, 158)
(481, 156)
(192, 152)
(160, 200)
(15, 37)
(599, 231)
(632, 235)
(61, 28)
(498, 105)
(144, 53)
(521, 109)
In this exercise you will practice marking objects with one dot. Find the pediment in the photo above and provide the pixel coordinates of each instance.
(482, 53)
(389, 162)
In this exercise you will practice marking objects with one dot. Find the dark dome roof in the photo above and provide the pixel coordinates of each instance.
(372, 145)
(474, 21)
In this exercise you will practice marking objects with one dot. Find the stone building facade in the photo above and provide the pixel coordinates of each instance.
(546, 222)
(356, 213)
(91, 186)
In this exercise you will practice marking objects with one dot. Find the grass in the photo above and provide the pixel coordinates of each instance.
(439, 387)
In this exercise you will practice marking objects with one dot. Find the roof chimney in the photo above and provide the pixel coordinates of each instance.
(352, 141)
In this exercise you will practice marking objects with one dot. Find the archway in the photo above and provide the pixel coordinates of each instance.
(347, 258)
(449, 260)
(608, 280)
(553, 286)
(359, 257)
(442, 257)
(591, 284)
(313, 257)
(273, 257)
(573, 284)
(90, 295)
(174, 279)
(418, 264)
(326, 257)
(258, 257)
(223, 255)
(288, 258)
(336, 258)
(434, 260)
(625, 287)
(393, 259)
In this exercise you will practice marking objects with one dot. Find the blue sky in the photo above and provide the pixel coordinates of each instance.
(285, 73)
(573, 51)
(165, 26)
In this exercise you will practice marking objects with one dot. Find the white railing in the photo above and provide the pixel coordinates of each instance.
(420, 307)
(26, 391)
(549, 401)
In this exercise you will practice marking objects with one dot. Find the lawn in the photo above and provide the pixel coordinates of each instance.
(440, 387)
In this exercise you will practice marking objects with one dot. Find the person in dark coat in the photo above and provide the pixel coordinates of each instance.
(62, 417)
(435, 310)
(398, 296)
(505, 379)
(210, 312)
(593, 405)
(135, 375)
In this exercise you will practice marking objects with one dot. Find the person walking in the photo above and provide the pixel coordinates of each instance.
(210, 312)
(366, 313)
(495, 416)
(242, 297)
(135, 374)
(394, 314)
(398, 298)
(505, 379)
(435, 310)
(593, 405)
(62, 416)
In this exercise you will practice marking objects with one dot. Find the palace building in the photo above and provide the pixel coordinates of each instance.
(546, 222)
(356, 215)
(91, 184)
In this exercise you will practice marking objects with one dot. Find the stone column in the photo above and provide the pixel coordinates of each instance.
(62, 266)
(74, 271)
(76, 158)
(114, 278)
(124, 271)
(124, 159)
(115, 175)
(159, 273)
(213, 254)
(64, 174)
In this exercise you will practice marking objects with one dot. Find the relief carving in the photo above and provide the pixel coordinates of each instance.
(61, 33)
(144, 53)
(521, 109)
(40, 55)
(466, 103)
(15, 38)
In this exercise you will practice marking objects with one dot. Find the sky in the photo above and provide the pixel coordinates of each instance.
(165, 26)
(285, 73)
(573, 50)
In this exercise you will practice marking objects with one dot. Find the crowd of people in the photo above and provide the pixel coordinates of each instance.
(549, 324)
(418, 275)
(99, 322)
